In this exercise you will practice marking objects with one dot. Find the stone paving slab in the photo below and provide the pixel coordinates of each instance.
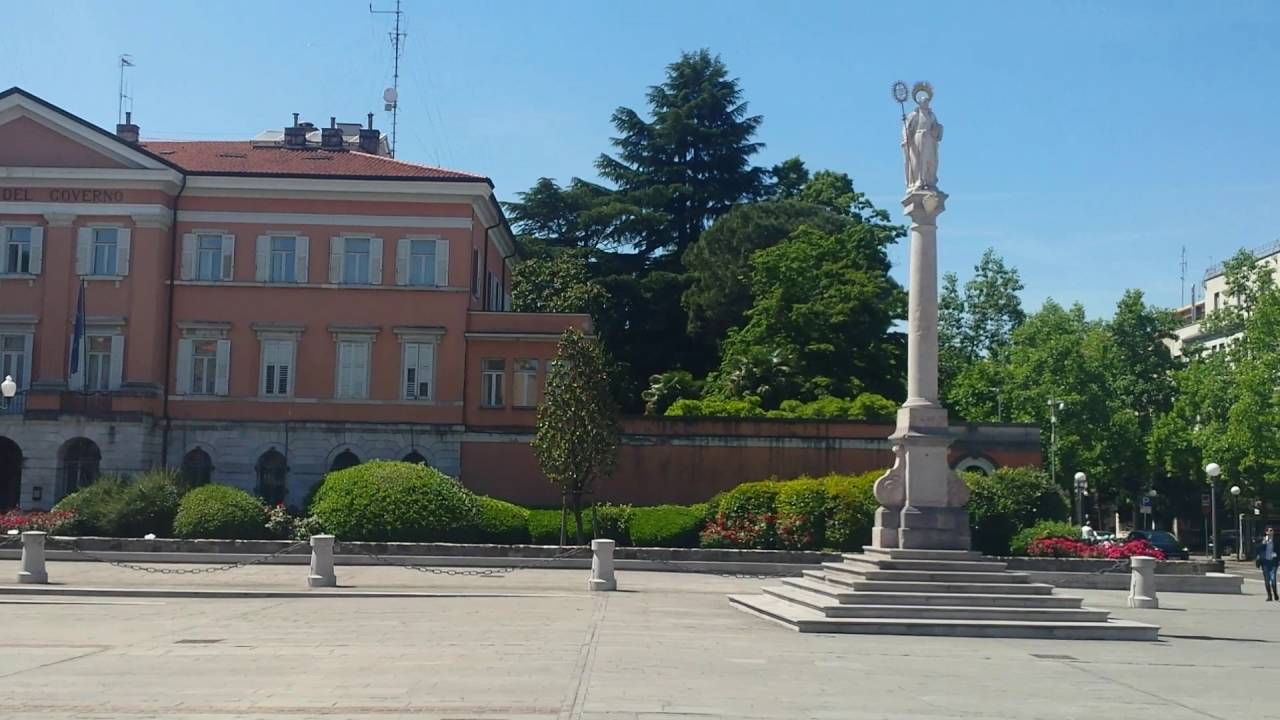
(668, 647)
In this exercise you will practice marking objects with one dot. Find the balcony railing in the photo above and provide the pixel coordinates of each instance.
(15, 405)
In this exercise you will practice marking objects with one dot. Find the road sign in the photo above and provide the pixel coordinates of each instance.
(1146, 505)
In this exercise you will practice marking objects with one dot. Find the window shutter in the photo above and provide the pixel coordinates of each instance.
(289, 355)
(402, 261)
(262, 259)
(185, 348)
(375, 261)
(123, 248)
(37, 254)
(228, 257)
(188, 268)
(336, 246)
(84, 251)
(221, 384)
(27, 341)
(302, 245)
(361, 368)
(442, 262)
(75, 380)
(408, 357)
(117, 362)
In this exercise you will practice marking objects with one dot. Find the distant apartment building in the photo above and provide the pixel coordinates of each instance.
(254, 312)
(1214, 296)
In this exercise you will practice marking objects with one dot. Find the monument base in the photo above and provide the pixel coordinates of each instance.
(922, 500)
(934, 528)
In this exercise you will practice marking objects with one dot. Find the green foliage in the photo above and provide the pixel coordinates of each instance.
(751, 498)
(668, 387)
(975, 332)
(115, 507)
(667, 525)
(560, 283)
(220, 512)
(1041, 530)
(867, 406)
(1009, 500)
(613, 522)
(716, 407)
(801, 514)
(501, 522)
(826, 303)
(383, 500)
(851, 509)
(577, 436)
(544, 527)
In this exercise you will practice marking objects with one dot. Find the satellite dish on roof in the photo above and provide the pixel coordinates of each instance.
(390, 95)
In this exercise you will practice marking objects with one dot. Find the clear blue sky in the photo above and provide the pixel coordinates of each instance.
(1086, 141)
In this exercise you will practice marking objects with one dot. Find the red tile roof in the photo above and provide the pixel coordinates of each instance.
(241, 157)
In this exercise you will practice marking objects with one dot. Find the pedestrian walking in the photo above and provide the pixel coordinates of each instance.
(1267, 557)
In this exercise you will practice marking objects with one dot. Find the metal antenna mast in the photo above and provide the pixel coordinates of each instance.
(1182, 284)
(125, 61)
(392, 96)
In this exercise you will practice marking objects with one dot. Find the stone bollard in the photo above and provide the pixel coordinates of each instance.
(322, 562)
(33, 558)
(602, 566)
(1142, 582)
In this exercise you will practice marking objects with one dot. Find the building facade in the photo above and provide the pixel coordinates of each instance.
(1215, 296)
(255, 312)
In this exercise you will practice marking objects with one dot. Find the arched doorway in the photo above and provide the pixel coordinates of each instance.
(10, 474)
(81, 462)
(344, 460)
(416, 458)
(197, 468)
(273, 473)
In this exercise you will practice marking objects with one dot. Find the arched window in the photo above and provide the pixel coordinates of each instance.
(197, 468)
(81, 460)
(272, 475)
(415, 457)
(344, 460)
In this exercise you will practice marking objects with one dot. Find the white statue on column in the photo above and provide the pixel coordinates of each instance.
(921, 133)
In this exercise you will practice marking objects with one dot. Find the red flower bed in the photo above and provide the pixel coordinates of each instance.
(1067, 548)
(45, 521)
(755, 531)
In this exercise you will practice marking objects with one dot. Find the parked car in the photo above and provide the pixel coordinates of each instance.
(1164, 541)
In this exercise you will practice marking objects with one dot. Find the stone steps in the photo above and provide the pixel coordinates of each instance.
(854, 582)
(830, 608)
(896, 554)
(883, 563)
(846, 596)
(869, 572)
(805, 619)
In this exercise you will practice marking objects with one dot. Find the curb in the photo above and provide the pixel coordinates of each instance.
(63, 590)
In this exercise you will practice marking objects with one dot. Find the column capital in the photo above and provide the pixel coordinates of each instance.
(924, 206)
(59, 219)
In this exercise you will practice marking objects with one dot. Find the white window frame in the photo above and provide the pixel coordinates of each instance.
(492, 381)
(23, 378)
(86, 254)
(270, 375)
(524, 383)
(411, 361)
(101, 377)
(35, 250)
(265, 255)
(356, 386)
(185, 369)
(338, 260)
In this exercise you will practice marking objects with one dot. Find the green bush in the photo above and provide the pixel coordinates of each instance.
(1008, 500)
(1039, 531)
(220, 512)
(751, 498)
(667, 525)
(502, 523)
(115, 507)
(851, 510)
(385, 500)
(544, 526)
(801, 514)
(612, 522)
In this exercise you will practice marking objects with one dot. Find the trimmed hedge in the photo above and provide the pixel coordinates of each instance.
(667, 525)
(220, 512)
(502, 523)
(801, 514)
(1008, 500)
(1042, 530)
(851, 510)
(393, 501)
(115, 507)
(544, 527)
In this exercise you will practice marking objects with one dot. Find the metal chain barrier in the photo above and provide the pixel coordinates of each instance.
(151, 569)
(1118, 566)
(462, 572)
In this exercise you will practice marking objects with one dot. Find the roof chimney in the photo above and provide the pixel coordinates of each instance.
(126, 130)
(370, 139)
(295, 136)
(331, 137)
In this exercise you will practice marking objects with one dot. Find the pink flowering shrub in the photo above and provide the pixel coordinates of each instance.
(1067, 548)
(751, 530)
(43, 521)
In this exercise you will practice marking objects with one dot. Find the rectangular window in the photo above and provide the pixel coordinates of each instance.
(13, 358)
(98, 363)
(524, 388)
(17, 250)
(353, 369)
(105, 249)
(284, 259)
(355, 261)
(422, 262)
(475, 272)
(493, 372)
(208, 257)
(277, 367)
(204, 367)
(419, 363)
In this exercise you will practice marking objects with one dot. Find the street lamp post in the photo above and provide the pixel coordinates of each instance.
(1235, 496)
(1152, 515)
(1213, 471)
(8, 389)
(1054, 407)
(1082, 486)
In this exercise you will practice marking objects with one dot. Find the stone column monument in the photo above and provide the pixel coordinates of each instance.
(922, 502)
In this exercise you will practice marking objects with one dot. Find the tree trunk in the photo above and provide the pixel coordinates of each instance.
(563, 521)
(577, 515)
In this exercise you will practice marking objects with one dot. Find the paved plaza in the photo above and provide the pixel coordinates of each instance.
(666, 647)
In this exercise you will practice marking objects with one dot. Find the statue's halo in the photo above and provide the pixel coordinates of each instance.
(922, 88)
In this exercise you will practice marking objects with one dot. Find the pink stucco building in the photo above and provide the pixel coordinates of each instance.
(256, 311)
